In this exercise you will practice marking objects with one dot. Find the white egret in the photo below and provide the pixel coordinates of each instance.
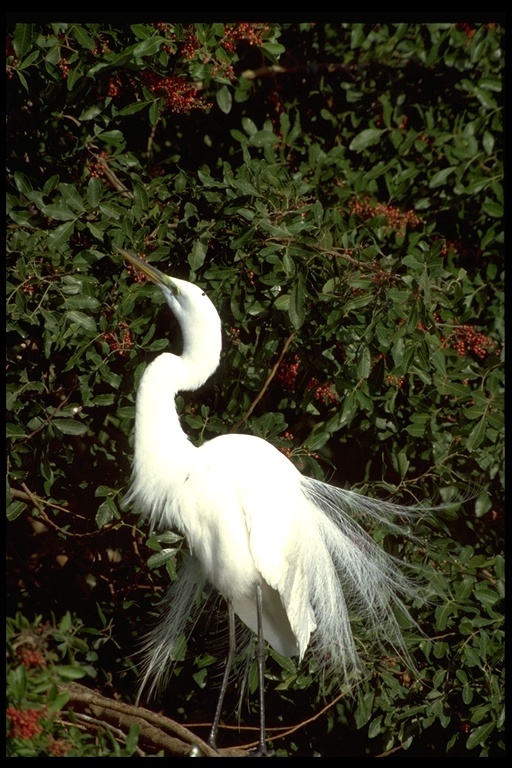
(288, 553)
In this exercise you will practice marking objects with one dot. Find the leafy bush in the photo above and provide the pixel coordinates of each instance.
(337, 190)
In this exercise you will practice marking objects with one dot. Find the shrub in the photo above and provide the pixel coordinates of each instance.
(337, 190)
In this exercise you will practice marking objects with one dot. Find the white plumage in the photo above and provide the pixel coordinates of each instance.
(250, 518)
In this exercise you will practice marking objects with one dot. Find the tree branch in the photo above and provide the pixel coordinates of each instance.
(157, 732)
(265, 385)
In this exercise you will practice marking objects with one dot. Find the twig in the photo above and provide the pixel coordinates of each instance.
(284, 731)
(265, 385)
(28, 437)
(100, 724)
(112, 178)
(274, 69)
(149, 147)
(27, 495)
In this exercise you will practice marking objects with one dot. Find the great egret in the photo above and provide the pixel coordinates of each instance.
(285, 551)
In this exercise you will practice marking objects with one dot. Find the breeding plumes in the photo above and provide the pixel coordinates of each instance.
(289, 554)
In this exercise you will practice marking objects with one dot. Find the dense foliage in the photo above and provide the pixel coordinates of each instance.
(337, 190)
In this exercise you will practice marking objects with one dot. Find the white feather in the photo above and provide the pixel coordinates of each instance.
(250, 517)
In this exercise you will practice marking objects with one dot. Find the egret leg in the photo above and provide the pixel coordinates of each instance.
(262, 750)
(212, 738)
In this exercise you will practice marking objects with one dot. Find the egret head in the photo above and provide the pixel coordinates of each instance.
(198, 319)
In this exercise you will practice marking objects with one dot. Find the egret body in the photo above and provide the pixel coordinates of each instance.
(288, 553)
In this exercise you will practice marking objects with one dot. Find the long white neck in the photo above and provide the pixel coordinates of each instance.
(163, 453)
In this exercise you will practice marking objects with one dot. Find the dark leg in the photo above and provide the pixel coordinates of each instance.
(212, 738)
(262, 750)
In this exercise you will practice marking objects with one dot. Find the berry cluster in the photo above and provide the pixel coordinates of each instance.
(178, 94)
(137, 275)
(340, 353)
(120, 340)
(28, 288)
(460, 249)
(11, 60)
(324, 392)
(64, 68)
(30, 657)
(397, 220)
(395, 381)
(287, 450)
(114, 86)
(25, 723)
(58, 747)
(381, 277)
(465, 340)
(102, 46)
(287, 374)
(249, 33)
(296, 454)
(468, 29)
(190, 45)
(96, 167)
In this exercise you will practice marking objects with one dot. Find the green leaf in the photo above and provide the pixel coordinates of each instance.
(488, 142)
(364, 709)
(398, 351)
(94, 191)
(22, 39)
(375, 727)
(72, 197)
(23, 183)
(485, 99)
(493, 209)
(491, 83)
(197, 255)
(90, 112)
(107, 511)
(154, 112)
(224, 99)
(282, 303)
(439, 178)
(273, 49)
(83, 37)
(70, 673)
(132, 737)
(480, 735)
(69, 426)
(443, 613)
(296, 310)
(59, 212)
(14, 509)
(82, 301)
(161, 558)
(84, 321)
(364, 362)
(317, 441)
(26, 63)
(365, 139)
(14, 430)
(58, 701)
(113, 137)
(59, 237)
(149, 46)
(476, 435)
(137, 106)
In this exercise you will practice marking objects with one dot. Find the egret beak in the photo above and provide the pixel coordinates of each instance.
(150, 271)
